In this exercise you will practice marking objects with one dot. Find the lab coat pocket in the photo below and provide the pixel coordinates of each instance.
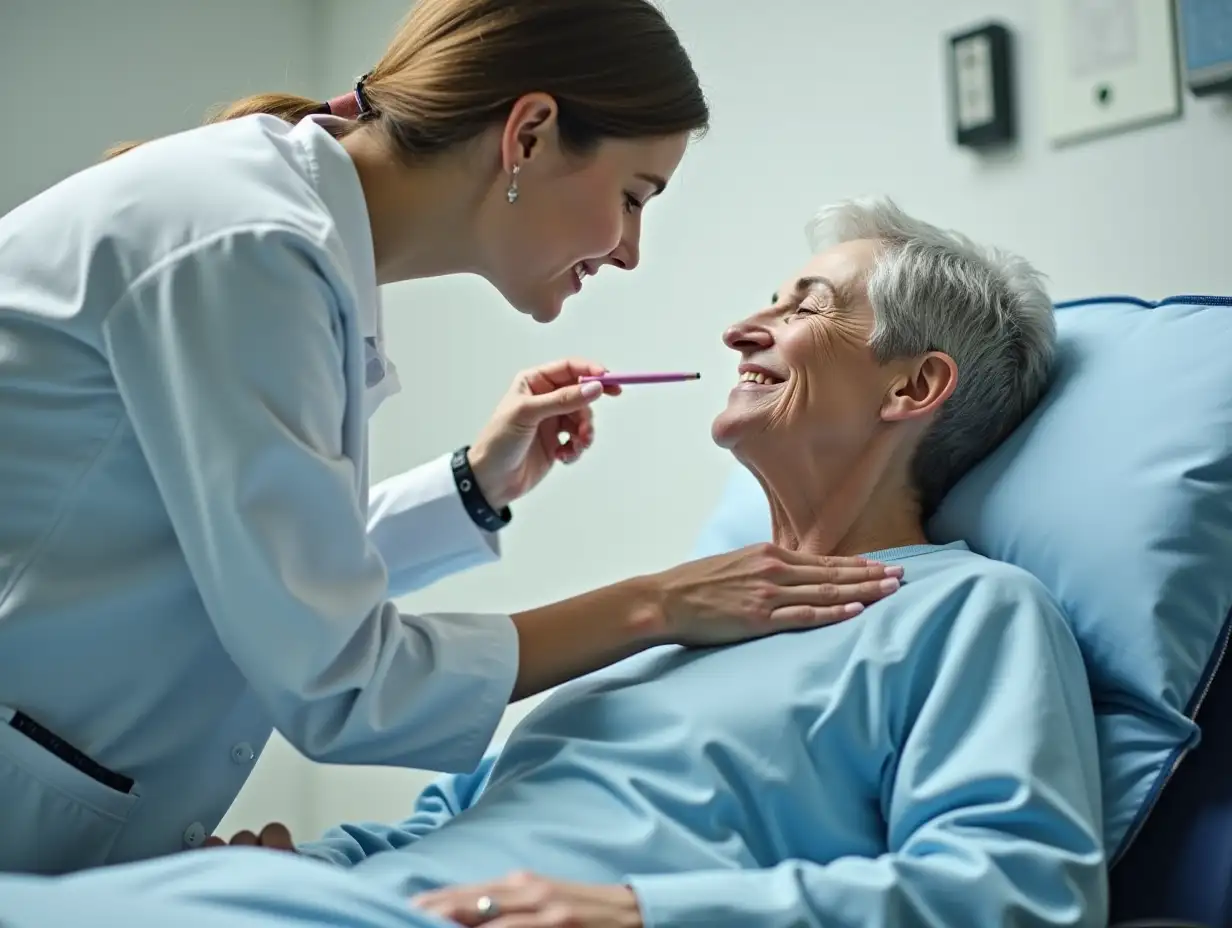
(54, 816)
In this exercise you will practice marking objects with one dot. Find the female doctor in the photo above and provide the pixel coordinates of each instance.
(190, 347)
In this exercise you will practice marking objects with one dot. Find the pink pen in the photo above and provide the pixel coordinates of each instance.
(613, 380)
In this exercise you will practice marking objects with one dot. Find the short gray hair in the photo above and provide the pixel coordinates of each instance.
(936, 290)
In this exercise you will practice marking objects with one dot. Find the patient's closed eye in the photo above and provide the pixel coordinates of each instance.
(813, 306)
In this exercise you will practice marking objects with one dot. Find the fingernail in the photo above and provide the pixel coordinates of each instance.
(854, 608)
(591, 389)
(889, 586)
(895, 571)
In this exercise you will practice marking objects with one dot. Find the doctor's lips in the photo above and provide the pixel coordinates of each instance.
(581, 271)
(623, 380)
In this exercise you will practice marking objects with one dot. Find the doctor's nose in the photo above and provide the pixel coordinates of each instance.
(628, 254)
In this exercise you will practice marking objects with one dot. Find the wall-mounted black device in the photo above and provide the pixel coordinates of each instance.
(981, 87)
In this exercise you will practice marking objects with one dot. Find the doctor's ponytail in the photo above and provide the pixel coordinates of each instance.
(615, 68)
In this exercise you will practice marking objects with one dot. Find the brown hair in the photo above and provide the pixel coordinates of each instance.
(615, 68)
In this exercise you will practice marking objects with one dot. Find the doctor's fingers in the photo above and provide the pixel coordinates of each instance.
(800, 618)
(804, 559)
(555, 374)
(275, 836)
(530, 410)
(822, 595)
(574, 434)
(803, 575)
(549, 377)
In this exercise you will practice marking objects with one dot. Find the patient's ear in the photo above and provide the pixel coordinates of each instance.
(925, 383)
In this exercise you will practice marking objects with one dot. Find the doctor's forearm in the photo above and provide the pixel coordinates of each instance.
(565, 640)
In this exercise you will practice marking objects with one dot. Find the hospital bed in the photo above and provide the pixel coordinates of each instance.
(1117, 494)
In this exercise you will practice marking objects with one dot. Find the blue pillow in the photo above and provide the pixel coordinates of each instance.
(1117, 494)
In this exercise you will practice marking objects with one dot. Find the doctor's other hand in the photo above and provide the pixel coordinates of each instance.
(764, 589)
(544, 418)
(275, 836)
(524, 900)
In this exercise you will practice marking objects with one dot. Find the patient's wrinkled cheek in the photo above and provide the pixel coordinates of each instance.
(810, 345)
(816, 353)
(790, 402)
(825, 337)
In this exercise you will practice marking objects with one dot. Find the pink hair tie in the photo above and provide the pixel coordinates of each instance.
(345, 106)
(353, 105)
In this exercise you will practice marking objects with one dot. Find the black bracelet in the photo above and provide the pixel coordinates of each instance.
(473, 500)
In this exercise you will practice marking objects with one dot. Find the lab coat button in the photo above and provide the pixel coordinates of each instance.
(242, 753)
(194, 835)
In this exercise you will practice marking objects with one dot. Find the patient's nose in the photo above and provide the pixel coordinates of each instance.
(747, 336)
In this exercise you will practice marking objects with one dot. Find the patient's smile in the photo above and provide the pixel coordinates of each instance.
(753, 377)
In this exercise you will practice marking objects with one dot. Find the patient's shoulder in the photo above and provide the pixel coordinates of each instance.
(960, 569)
(959, 611)
(961, 589)
(966, 568)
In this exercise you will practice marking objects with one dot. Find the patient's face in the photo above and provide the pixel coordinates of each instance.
(806, 369)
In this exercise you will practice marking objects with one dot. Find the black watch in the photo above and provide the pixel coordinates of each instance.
(473, 500)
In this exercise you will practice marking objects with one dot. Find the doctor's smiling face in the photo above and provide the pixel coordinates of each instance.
(535, 133)
(568, 211)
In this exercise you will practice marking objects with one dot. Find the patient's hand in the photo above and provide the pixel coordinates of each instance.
(275, 835)
(530, 901)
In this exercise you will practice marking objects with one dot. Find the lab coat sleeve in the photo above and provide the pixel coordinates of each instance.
(442, 799)
(398, 510)
(991, 794)
(229, 358)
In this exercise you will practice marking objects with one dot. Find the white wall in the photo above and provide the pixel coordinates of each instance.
(813, 101)
(81, 75)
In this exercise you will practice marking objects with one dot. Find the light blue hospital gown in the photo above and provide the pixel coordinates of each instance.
(930, 763)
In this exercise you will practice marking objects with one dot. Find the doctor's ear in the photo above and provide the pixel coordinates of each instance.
(925, 384)
(532, 126)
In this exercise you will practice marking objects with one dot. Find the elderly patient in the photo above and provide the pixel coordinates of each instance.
(930, 762)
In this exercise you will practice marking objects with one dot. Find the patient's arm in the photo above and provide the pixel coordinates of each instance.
(991, 794)
(445, 797)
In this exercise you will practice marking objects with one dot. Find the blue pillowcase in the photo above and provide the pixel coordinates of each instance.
(1117, 494)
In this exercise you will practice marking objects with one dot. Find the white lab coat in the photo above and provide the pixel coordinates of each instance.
(189, 554)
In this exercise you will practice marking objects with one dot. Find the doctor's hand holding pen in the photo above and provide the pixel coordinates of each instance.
(763, 589)
(544, 418)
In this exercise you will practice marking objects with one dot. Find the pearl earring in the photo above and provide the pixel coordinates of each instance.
(512, 193)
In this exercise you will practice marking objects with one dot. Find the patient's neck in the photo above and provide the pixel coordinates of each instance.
(839, 504)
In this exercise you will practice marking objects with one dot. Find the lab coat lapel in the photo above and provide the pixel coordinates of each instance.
(337, 173)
